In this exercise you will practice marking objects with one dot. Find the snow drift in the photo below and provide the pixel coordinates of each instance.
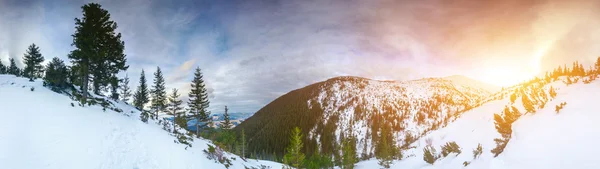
(544, 139)
(41, 129)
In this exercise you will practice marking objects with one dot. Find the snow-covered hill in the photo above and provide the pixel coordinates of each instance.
(41, 129)
(359, 107)
(544, 139)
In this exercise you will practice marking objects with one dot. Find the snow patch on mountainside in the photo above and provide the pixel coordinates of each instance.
(415, 107)
(41, 130)
(544, 139)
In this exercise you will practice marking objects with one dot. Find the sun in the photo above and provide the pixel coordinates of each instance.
(505, 76)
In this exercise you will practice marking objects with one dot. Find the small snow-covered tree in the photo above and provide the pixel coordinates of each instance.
(33, 63)
(56, 75)
(477, 151)
(430, 154)
(450, 147)
(158, 93)
(13, 69)
(503, 124)
(174, 107)
(226, 122)
(140, 98)
(125, 90)
(294, 156)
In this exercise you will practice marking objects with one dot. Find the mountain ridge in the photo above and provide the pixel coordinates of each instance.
(323, 113)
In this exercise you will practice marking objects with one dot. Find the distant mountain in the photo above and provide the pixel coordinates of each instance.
(463, 80)
(340, 107)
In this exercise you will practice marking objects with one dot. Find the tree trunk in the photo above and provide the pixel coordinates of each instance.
(84, 85)
(197, 127)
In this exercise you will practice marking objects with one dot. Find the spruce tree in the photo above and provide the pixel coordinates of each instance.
(13, 69)
(174, 107)
(385, 147)
(503, 123)
(56, 75)
(158, 93)
(294, 157)
(125, 90)
(140, 98)
(98, 54)
(198, 100)
(226, 122)
(528, 104)
(349, 157)
(33, 63)
(3, 68)
(243, 144)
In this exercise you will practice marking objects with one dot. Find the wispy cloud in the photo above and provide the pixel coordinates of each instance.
(252, 51)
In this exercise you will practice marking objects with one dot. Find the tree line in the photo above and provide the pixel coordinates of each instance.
(97, 60)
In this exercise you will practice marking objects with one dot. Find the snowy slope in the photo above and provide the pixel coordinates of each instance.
(416, 106)
(40, 129)
(543, 139)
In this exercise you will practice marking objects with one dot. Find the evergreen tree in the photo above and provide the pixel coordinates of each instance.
(242, 145)
(33, 63)
(503, 124)
(56, 75)
(125, 90)
(528, 104)
(13, 69)
(198, 100)
(140, 98)
(158, 93)
(294, 157)
(174, 107)
(98, 53)
(227, 122)
(3, 68)
(349, 157)
(385, 147)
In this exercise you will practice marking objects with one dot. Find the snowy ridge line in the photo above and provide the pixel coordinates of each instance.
(355, 100)
(55, 134)
(542, 138)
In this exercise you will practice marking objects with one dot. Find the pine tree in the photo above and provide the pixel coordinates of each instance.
(3, 68)
(174, 107)
(243, 143)
(33, 63)
(56, 75)
(140, 98)
(552, 92)
(349, 157)
(294, 157)
(158, 93)
(125, 90)
(385, 147)
(503, 124)
(98, 53)
(528, 104)
(198, 100)
(13, 69)
(227, 122)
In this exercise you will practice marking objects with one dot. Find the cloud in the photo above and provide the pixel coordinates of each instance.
(252, 51)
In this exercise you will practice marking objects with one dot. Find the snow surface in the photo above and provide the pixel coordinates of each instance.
(543, 139)
(343, 95)
(41, 130)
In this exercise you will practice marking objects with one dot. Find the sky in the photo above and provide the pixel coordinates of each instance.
(252, 51)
